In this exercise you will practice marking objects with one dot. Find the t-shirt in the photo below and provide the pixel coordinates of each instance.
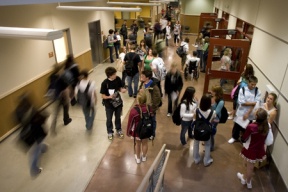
(225, 60)
(136, 60)
(112, 86)
(189, 58)
(82, 87)
(157, 63)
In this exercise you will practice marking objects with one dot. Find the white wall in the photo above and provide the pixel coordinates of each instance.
(269, 56)
(196, 7)
(24, 60)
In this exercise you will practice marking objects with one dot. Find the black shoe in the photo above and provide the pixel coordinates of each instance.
(67, 122)
(134, 96)
(130, 95)
(203, 71)
(73, 101)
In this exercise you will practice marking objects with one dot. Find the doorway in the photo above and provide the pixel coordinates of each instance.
(240, 50)
(95, 42)
(63, 46)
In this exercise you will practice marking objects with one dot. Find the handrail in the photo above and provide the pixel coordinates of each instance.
(160, 179)
(145, 180)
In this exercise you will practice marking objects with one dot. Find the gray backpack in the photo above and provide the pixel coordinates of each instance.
(83, 98)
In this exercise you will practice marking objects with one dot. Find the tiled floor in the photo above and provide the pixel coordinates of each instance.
(78, 160)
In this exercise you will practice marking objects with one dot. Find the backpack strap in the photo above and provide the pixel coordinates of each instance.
(202, 117)
(87, 88)
(256, 91)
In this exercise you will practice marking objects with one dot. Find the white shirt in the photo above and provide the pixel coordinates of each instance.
(191, 58)
(92, 89)
(118, 37)
(155, 65)
(225, 60)
(122, 56)
(187, 115)
(185, 46)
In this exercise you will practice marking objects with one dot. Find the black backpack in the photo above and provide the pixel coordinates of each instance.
(144, 128)
(83, 98)
(224, 115)
(192, 66)
(202, 127)
(129, 65)
(176, 116)
(236, 93)
(180, 51)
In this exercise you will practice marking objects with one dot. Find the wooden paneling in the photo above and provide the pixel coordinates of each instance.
(37, 89)
(192, 21)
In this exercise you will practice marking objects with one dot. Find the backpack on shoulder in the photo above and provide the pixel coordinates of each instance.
(180, 51)
(144, 128)
(105, 43)
(176, 116)
(129, 65)
(202, 127)
(161, 69)
(224, 115)
(83, 98)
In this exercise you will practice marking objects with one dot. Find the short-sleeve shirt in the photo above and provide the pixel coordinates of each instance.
(114, 86)
(136, 60)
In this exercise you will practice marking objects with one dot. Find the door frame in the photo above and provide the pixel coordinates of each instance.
(94, 29)
(233, 75)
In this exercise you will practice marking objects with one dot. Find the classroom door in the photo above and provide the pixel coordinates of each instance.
(95, 42)
(239, 58)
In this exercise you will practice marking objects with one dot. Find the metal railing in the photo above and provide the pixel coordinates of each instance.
(154, 178)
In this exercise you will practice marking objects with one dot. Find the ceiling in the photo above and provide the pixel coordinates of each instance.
(26, 2)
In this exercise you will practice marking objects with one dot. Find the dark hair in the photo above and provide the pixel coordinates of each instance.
(147, 73)
(109, 71)
(205, 102)
(69, 61)
(154, 52)
(111, 31)
(194, 53)
(249, 71)
(84, 72)
(116, 30)
(253, 79)
(262, 121)
(186, 39)
(218, 93)
(188, 96)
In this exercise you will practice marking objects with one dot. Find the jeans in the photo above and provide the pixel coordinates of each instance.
(89, 113)
(196, 154)
(214, 128)
(117, 47)
(167, 41)
(200, 55)
(135, 79)
(154, 124)
(111, 53)
(170, 104)
(185, 125)
(37, 149)
(124, 75)
(183, 60)
(124, 39)
(205, 56)
(109, 115)
(60, 102)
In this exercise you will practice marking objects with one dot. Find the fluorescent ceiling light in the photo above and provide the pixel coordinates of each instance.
(133, 3)
(83, 8)
(30, 33)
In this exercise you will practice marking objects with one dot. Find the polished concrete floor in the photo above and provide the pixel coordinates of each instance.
(80, 160)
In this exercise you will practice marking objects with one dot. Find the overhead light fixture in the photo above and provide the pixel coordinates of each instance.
(133, 3)
(30, 33)
(89, 8)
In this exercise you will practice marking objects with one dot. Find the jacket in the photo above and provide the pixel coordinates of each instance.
(153, 95)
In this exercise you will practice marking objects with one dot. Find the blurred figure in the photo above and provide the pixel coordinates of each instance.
(173, 85)
(71, 76)
(270, 107)
(205, 53)
(87, 90)
(141, 146)
(111, 42)
(124, 32)
(199, 42)
(225, 64)
(32, 132)
(177, 31)
(117, 42)
(185, 45)
(253, 151)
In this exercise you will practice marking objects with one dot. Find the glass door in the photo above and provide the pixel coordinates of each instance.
(214, 73)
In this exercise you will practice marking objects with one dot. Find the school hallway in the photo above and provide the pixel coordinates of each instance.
(79, 160)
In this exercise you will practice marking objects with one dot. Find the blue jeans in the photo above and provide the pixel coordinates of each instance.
(89, 113)
(214, 131)
(37, 149)
(111, 53)
(200, 55)
(196, 154)
(109, 115)
(185, 125)
(117, 47)
(135, 79)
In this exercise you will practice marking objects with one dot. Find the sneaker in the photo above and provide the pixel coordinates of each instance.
(120, 134)
(240, 176)
(144, 158)
(209, 163)
(138, 161)
(151, 138)
(232, 140)
(168, 114)
(249, 185)
(110, 136)
(230, 117)
(67, 122)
